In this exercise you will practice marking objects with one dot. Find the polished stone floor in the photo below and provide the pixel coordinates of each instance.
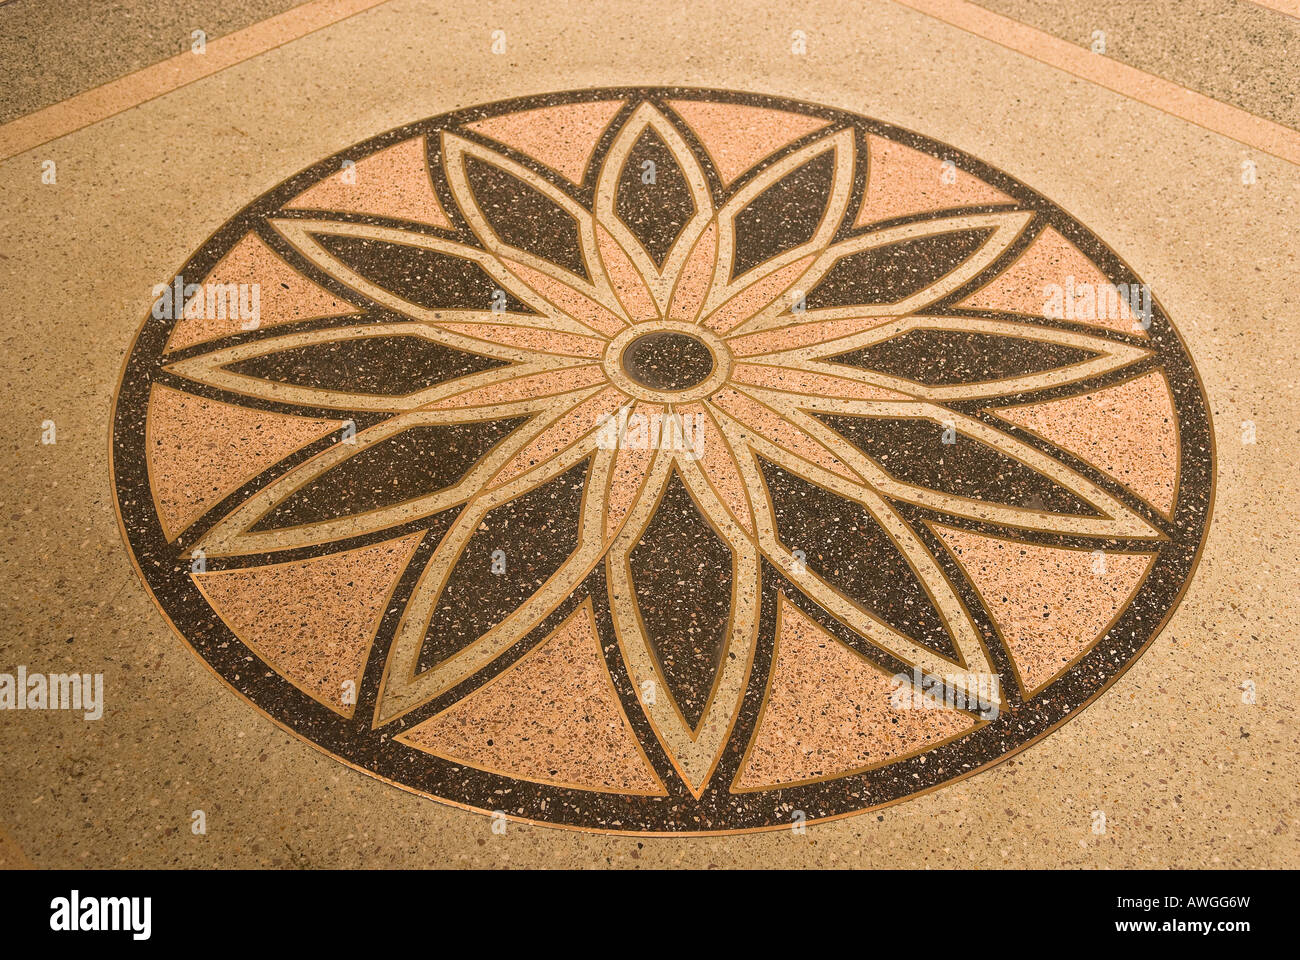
(857, 429)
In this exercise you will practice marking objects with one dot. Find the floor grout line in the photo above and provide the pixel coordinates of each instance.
(149, 83)
(1164, 95)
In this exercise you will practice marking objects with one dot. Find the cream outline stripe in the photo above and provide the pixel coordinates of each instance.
(1164, 95)
(117, 96)
(1290, 8)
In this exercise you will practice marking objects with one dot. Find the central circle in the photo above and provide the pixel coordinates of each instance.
(664, 360)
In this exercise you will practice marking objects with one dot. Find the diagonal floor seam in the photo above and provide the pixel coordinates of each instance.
(117, 96)
(1146, 88)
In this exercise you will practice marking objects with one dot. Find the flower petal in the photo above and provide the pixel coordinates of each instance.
(1100, 355)
(809, 383)
(405, 686)
(632, 464)
(214, 368)
(561, 435)
(693, 749)
(626, 278)
(648, 126)
(1112, 519)
(750, 415)
(238, 532)
(726, 287)
(971, 655)
(578, 269)
(488, 328)
(717, 461)
(693, 280)
(568, 300)
(512, 278)
(520, 387)
(876, 273)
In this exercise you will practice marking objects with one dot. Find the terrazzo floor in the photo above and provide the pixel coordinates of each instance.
(851, 436)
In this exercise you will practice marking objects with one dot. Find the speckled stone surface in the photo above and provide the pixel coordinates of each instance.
(828, 711)
(52, 51)
(1232, 50)
(544, 473)
(1190, 754)
(312, 621)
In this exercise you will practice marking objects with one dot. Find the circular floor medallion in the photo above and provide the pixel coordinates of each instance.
(661, 460)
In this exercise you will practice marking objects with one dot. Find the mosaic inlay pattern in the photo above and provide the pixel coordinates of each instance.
(604, 459)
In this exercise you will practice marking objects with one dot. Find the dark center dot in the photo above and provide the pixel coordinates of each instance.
(667, 361)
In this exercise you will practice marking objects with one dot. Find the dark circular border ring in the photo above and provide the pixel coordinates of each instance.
(164, 567)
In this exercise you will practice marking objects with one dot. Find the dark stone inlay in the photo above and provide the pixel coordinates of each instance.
(535, 534)
(656, 213)
(956, 356)
(784, 215)
(847, 548)
(892, 273)
(667, 361)
(389, 366)
(524, 218)
(912, 450)
(682, 577)
(426, 278)
(404, 466)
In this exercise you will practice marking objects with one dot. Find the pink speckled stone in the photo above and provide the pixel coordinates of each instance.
(737, 136)
(1050, 259)
(1129, 430)
(551, 717)
(1049, 604)
(829, 712)
(902, 181)
(313, 621)
(564, 135)
(392, 183)
(284, 295)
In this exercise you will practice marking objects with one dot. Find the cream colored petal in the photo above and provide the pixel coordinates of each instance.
(973, 658)
(715, 458)
(814, 358)
(791, 336)
(234, 535)
(515, 333)
(560, 436)
(522, 386)
(694, 753)
(810, 382)
(1116, 521)
(403, 688)
(1004, 228)
(632, 462)
(756, 412)
(659, 283)
(512, 277)
(763, 294)
(771, 289)
(559, 297)
(626, 278)
(694, 278)
(455, 151)
(213, 368)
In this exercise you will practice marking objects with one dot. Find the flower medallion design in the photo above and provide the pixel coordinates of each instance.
(661, 460)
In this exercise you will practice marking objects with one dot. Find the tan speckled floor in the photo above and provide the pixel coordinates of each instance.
(1191, 754)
